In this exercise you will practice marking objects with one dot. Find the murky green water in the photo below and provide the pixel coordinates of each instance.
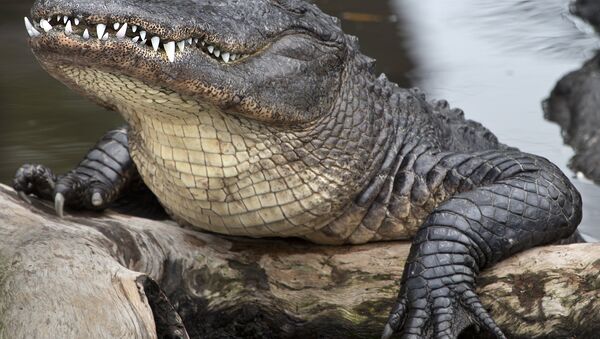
(495, 59)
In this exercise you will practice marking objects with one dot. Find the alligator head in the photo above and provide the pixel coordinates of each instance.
(246, 113)
(271, 60)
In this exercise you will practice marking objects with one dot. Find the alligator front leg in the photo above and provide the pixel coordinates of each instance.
(94, 184)
(502, 203)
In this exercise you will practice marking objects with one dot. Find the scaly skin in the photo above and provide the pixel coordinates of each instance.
(300, 139)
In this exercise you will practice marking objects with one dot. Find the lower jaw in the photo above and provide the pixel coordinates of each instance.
(57, 51)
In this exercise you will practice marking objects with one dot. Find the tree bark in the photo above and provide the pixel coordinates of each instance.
(110, 275)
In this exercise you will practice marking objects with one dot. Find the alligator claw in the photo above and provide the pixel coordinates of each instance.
(24, 197)
(437, 306)
(59, 204)
(97, 200)
(387, 332)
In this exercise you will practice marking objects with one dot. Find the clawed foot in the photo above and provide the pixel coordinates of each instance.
(34, 179)
(437, 308)
(73, 190)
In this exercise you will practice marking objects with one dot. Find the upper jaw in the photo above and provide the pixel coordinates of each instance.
(300, 69)
(222, 24)
(79, 27)
(237, 27)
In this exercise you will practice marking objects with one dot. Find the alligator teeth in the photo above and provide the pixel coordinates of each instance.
(170, 49)
(68, 28)
(155, 43)
(45, 25)
(100, 29)
(103, 34)
(122, 31)
(181, 45)
(30, 29)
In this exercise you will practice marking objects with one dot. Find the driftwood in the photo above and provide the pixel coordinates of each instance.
(110, 275)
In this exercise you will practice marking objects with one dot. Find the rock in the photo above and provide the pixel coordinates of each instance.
(110, 275)
(588, 10)
(574, 104)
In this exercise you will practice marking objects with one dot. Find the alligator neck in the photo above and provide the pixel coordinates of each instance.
(236, 176)
(395, 116)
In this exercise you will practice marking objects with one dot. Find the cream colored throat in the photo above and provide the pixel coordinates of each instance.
(212, 170)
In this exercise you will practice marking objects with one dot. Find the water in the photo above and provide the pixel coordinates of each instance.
(41, 121)
(495, 59)
(498, 60)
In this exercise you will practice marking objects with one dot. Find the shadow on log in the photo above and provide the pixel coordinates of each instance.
(110, 275)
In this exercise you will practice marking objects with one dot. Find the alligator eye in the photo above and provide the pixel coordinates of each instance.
(76, 27)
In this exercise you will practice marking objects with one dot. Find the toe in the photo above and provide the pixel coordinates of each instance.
(416, 322)
(387, 332)
(395, 319)
(97, 199)
(473, 304)
(443, 314)
(24, 197)
(98, 195)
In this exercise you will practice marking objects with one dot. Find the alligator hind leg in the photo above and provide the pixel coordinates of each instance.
(100, 179)
(501, 203)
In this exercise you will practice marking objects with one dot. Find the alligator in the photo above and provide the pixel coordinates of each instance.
(261, 118)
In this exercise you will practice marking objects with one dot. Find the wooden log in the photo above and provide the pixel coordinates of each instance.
(110, 275)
